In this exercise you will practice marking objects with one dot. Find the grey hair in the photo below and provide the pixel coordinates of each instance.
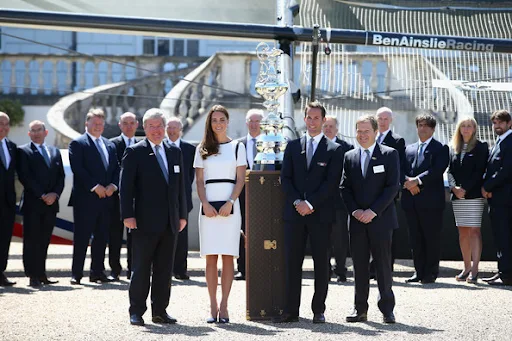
(127, 114)
(154, 113)
(2, 114)
(332, 117)
(384, 109)
(251, 112)
(36, 122)
(175, 119)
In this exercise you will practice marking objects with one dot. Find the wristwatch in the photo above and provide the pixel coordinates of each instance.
(231, 201)
(296, 202)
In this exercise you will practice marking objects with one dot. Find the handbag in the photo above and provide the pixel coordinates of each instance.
(217, 205)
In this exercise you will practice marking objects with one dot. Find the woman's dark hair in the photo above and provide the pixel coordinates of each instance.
(209, 144)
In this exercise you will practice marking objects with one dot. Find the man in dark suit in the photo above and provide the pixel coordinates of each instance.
(154, 207)
(128, 124)
(310, 177)
(497, 188)
(371, 180)
(174, 130)
(252, 120)
(93, 160)
(8, 156)
(423, 199)
(41, 172)
(339, 234)
(388, 138)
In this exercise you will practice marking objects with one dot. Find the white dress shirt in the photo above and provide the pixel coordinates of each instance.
(125, 138)
(382, 134)
(161, 152)
(6, 153)
(363, 155)
(249, 149)
(176, 143)
(418, 153)
(102, 145)
(42, 147)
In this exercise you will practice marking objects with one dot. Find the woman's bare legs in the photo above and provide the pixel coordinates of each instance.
(212, 280)
(475, 237)
(465, 248)
(228, 271)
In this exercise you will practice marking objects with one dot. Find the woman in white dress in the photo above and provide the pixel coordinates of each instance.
(220, 165)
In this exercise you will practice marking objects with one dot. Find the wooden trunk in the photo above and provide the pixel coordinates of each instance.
(265, 251)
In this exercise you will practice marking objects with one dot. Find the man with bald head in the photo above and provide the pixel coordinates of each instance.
(7, 195)
(388, 138)
(252, 120)
(41, 172)
(339, 234)
(128, 124)
(174, 130)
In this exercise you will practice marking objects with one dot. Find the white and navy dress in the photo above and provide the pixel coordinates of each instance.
(220, 235)
(467, 212)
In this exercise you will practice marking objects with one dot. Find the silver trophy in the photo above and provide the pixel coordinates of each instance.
(271, 143)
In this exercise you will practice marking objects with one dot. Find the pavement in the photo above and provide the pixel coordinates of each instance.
(446, 310)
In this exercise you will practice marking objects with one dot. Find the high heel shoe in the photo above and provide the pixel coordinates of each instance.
(473, 279)
(462, 276)
(223, 320)
(211, 320)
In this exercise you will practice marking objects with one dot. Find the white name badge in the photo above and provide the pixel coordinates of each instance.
(176, 169)
(378, 169)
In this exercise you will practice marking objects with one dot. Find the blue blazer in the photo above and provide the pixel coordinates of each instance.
(345, 147)
(377, 191)
(498, 175)
(319, 184)
(430, 171)
(468, 175)
(88, 171)
(397, 142)
(38, 179)
(188, 151)
(144, 193)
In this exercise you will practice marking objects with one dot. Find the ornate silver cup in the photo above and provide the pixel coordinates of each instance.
(271, 143)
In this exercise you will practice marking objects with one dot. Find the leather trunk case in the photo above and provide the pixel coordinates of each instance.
(265, 252)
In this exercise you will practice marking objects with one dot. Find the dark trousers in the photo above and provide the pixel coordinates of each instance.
(6, 226)
(89, 223)
(339, 242)
(501, 221)
(129, 249)
(425, 227)
(296, 235)
(153, 253)
(115, 242)
(394, 246)
(37, 232)
(180, 257)
(363, 242)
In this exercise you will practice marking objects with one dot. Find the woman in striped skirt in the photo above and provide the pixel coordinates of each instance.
(468, 159)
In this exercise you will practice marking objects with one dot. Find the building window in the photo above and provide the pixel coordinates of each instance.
(178, 48)
(192, 48)
(148, 46)
(163, 47)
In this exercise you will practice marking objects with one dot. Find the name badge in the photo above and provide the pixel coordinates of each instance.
(176, 168)
(378, 169)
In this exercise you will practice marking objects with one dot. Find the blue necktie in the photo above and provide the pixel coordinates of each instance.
(44, 154)
(310, 152)
(421, 156)
(161, 163)
(366, 162)
(100, 150)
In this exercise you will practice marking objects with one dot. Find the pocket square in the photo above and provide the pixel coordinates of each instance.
(151, 153)
(322, 164)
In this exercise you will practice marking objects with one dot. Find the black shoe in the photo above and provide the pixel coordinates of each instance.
(341, 278)
(413, 279)
(114, 277)
(500, 281)
(4, 282)
(164, 318)
(34, 283)
(357, 317)
(136, 320)
(46, 281)
(128, 274)
(372, 275)
(223, 320)
(319, 318)
(462, 276)
(75, 281)
(390, 318)
(285, 318)
(492, 278)
(102, 278)
(183, 277)
(428, 280)
(240, 277)
(211, 320)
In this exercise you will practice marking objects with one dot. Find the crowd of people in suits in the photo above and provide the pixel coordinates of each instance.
(340, 197)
